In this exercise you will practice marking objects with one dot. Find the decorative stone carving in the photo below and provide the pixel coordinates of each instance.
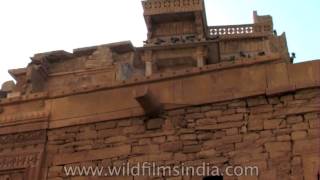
(23, 137)
(25, 116)
(19, 161)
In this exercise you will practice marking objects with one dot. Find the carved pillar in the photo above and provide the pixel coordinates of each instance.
(150, 66)
(200, 56)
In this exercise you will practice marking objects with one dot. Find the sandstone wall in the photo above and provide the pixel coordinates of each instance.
(279, 134)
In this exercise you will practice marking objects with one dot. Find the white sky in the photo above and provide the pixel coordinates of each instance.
(34, 26)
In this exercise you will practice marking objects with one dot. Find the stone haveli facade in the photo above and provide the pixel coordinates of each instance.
(226, 96)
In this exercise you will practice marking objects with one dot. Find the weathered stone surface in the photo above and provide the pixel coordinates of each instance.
(236, 117)
(171, 146)
(274, 124)
(256, 124)
(146, 149)
(306, 146)
(314, 123)
(294, 119)
(298, 135)
(221, 126)
(154, 124)
(191, 149)
(278, 146)
(106, 125)
(257, 101)
(62, 159)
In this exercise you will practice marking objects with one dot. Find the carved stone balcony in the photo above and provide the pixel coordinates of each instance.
(239, 30)
(152, 7)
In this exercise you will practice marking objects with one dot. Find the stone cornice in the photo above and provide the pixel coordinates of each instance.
(240, 79)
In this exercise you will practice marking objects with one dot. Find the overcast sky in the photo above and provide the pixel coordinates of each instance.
(34, 26)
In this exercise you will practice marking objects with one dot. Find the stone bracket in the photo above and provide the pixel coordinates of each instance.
(149, 103)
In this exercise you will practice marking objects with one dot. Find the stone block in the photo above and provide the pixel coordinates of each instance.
(188, 137)
(232, 131)
(68, 158)
(137, 129)
(311, 116)
(195, 116)
(274, 124)
(314, 123)
(294, 119)
(307, 146)
(146, 149)
(286, 98)
(160, 139)
(221, 126)
(206, 154)
(255, 125)
(278, 146)
(313, 133)
(237, 104)
(115, 139)
(261, 100)
(261, 109)
(225, 148)
(284, 138)
(232, 139)
(171, 147)
(307, 94)
(230, 118)
(206, 121)
(108, 132)
(151, 158)
(273, 100)
(124, 123)
(206, 108)
(55, 171)
(152, 124)
(300, 126)
(191, 149)
(106, 125)
(213, 113)
(176, 112)
(193, 109)
(229, 111)
(205, 136)
(298, 135)
(251, 137)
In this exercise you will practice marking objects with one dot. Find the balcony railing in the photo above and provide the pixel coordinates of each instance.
(245, 29)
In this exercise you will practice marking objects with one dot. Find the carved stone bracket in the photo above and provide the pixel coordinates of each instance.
(150, 104)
